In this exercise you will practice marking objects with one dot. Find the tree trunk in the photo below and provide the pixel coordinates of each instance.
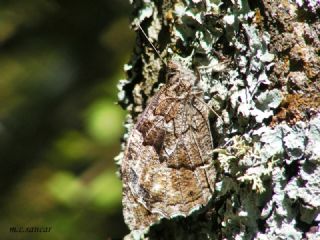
(259, 68)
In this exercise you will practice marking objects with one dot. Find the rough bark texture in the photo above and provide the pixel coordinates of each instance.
(259, 68)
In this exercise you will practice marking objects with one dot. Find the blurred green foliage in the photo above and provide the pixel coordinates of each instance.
(59, 125)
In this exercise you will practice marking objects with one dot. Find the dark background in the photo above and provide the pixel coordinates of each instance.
(60, 126)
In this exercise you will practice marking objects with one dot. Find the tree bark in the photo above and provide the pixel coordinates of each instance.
(259, 67)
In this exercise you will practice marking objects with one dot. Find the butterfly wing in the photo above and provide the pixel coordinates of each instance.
(166, 169)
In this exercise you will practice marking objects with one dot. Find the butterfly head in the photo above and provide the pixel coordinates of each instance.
(179, 77)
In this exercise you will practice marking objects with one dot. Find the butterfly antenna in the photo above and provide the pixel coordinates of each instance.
(152, 45)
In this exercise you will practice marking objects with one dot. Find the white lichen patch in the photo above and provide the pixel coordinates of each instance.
(313, 5)
(306, 186)
(303, 186)
(254, 176)
(235, 149)
(273, 155)
(313, 140)
(294, 142)
(242, 160)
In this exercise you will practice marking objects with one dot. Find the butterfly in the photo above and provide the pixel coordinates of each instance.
(167, 166)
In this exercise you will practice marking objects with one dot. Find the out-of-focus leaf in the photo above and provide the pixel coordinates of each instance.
(105, 191)
(104, 121)
(16, 14)
(33, 75)
(72, 146)
(66, 188)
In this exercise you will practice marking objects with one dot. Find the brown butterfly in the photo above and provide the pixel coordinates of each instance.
(166, 169)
